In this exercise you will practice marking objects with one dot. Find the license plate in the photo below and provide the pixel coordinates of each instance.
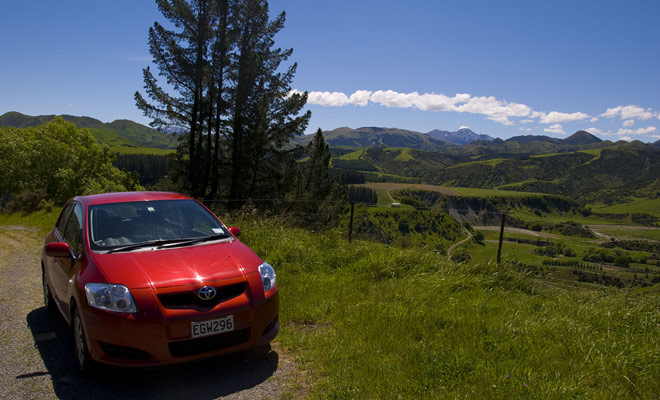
(212, 327)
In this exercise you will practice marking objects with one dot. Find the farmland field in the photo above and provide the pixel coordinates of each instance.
(414, 186)
(635, 205)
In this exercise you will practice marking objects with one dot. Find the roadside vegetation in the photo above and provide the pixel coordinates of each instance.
(367, 320)
(45, 165)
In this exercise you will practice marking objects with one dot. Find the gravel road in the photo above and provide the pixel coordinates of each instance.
(38, 360)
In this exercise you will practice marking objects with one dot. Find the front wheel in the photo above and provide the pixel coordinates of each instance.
(85, 362)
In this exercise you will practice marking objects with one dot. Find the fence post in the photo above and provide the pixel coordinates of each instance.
(350, 224)
(499, 247)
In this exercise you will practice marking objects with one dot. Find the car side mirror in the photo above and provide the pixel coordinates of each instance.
(58, 249)
(235, 230)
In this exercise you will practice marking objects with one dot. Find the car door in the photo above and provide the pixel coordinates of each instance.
(52, 264)
(64, 267)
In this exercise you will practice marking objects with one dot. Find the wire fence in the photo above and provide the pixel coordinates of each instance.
(353, 215)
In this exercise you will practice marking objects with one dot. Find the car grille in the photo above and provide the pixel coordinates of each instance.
(190, 299)
(209, 343)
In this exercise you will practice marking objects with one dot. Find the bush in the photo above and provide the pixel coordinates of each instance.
(55, 162)
(478, 237)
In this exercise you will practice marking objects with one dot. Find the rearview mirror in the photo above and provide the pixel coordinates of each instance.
(235, 230)
(58, 249)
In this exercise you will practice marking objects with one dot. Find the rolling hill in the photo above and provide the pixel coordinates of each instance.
(581, 172)
(379, 137)
(123, 136)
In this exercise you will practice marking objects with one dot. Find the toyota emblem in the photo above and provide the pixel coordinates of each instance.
(206, 293)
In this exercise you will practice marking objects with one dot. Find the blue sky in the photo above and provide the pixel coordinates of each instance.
(502, 68)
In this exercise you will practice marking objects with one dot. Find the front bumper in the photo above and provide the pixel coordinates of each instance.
(159, 336)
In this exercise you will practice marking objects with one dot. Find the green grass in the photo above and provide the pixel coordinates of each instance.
(404, 153)
(355, 155)
(372, 321)
(594, 152)
(515, 185)
(141, 150)
(632, 234)
(384, 199)
(491, 162)
(42, 220)
(476, 192)
(636, 205)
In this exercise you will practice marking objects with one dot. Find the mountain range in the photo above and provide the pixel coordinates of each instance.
(125, 136)
(460, 137)
(578, 165)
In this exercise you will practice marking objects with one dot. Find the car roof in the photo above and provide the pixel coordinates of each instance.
(123, 197)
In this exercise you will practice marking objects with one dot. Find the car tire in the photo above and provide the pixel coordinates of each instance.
(49, 301)
(83, 357)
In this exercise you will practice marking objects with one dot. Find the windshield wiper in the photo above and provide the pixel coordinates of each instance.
(189, 242)
(168, 243)
(150, 243)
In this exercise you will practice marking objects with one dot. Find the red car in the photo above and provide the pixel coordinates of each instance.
(152, 278)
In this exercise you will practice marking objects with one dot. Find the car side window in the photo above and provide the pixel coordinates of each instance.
(73, 230)
(63, 219)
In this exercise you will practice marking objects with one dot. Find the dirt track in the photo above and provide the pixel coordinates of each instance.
(38, 360)
(517, 230)
(451, 249)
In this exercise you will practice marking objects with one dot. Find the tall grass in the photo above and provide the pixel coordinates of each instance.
(42, 220)
(372, 321)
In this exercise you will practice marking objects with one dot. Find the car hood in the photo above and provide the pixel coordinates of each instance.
(178, 266)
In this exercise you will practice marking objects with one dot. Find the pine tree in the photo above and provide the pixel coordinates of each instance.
(227, 91)
(320, 197)
(264, 109)
(317, 181)
(182, 59)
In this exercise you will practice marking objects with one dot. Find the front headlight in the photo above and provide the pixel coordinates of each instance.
(110, 297)
(267, 276)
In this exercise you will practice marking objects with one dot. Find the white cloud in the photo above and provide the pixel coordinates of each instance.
(596, 131)
(494, 109)
(390, 98)
(360, 97)
(331, 99)
(628, 112)
(463, 127)
(526, 129)
(640, 131)
(556, 128)
(627, 138)
(555, 117)
(643, 131)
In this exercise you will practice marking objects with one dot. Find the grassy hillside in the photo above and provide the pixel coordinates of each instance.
(373, 321)
(366, 320)
(581, 172)
(123, 136)
(121, 145)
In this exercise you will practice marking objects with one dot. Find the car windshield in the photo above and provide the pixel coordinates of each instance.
(119, 225)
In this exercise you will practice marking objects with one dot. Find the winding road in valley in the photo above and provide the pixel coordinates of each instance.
(459, 243)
